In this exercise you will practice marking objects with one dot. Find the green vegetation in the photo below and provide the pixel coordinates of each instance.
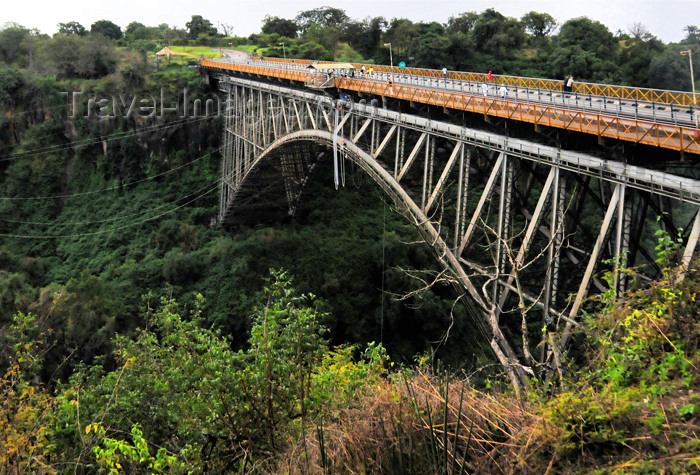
(179, 399)
(135, 336)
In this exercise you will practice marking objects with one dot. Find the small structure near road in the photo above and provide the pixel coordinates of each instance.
(167, 52)
(323, 74)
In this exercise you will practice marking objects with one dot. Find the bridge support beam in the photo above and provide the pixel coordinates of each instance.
(494, 249)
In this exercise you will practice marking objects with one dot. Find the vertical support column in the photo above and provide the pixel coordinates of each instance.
(556, 236)
(622, 231)
(262, 117)
(227, 156)
(592, 262)
(465, 195)
(245, 116)
(461, 185)
(402, 152)
(396, 155)
(240, 128)
(432, 167)
(428, 139)
(466, 237)
(692, 241)
(503, 230)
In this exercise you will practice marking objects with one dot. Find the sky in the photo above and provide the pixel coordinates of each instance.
(665, 19)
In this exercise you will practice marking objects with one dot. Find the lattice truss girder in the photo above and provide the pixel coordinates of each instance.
(512, 219)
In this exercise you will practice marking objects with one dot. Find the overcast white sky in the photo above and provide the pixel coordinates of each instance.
(663, 18)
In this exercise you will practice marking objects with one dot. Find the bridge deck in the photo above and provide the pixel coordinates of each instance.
(594, 115)
(652, 96)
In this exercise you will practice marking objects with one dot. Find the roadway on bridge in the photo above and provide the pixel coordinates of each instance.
(656, 124)
(610, 106)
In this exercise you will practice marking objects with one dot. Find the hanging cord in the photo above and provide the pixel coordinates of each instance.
(335, 147)
(353, 175)
(344, 149)
(381, 324)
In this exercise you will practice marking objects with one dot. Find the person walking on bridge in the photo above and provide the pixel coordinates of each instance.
(568, 85)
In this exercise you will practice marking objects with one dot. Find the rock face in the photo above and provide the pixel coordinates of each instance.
(160, 133)
(158, 137)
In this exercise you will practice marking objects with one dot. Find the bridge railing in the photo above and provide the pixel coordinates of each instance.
(561, 114)
(679, 98)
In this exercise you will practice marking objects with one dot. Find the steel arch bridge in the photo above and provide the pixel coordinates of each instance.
(515, 223)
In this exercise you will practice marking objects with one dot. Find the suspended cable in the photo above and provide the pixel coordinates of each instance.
(116, 218)
(116, 228)
(91, 141)
(381, 324)
(335, 147)
(113, 188)
(343, 150)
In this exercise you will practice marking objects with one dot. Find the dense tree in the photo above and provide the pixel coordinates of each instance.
(168, 34)
(280, 26)
(462, 51)
(636, 57)
(365, 35)
(199, 26)
(324, 17)
(328, 37)
(72, 28)
(401, 34)
(15, 41)
(587, 50)
(692, 35)
(430, 47)
(134, 70)
(538, 24)
(138, 31)
(669, 70)
(497, 35)
(106, 28)
(11, 80)
(590, 36)
(463, 23)
(69, 56)
(312, 50)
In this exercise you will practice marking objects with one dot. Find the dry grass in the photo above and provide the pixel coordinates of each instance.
(408, 426)
(634, 408)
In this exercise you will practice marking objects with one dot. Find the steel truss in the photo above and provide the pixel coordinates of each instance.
(524, 229)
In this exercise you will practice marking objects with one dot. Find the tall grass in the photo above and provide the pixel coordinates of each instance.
(420, 423)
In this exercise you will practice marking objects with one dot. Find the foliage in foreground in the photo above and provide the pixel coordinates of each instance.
(182, 401)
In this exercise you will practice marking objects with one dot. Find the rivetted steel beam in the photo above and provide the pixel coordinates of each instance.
(530, 232)
(382, 145)
(362, 130)
(480, 206)
(443, 176)
(593, 260)
(692, 241)
(311, 116)
(661, 183)
(412, 155)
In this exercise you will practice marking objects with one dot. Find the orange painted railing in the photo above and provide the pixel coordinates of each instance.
(638, 131)
(623, 92)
